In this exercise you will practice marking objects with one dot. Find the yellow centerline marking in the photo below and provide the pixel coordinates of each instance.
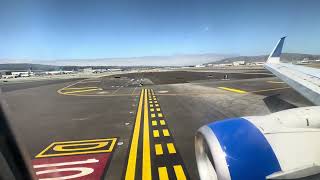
(171, 148)
(80, 91)
(146, 160)
(131, 166)
(158, 148)
(179, 172)
(163, 174)
(233, 90)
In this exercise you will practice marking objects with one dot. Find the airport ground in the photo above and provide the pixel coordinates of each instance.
(148, 119)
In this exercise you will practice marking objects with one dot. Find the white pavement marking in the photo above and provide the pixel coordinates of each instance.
(161, 92)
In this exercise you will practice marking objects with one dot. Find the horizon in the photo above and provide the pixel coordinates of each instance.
(81, 29)
(132, 61)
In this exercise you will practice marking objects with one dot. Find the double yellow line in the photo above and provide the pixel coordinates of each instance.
(156, 139)
(146, 159)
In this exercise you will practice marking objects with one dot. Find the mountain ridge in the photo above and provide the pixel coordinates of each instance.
(285, 57)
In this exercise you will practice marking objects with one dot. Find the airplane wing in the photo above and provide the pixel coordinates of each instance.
(281, 145)
(304, 80)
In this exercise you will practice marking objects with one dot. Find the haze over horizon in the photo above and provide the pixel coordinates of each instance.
(173, 60)
(93, 29)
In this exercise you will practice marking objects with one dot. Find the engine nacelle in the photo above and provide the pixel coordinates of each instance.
(259, 147)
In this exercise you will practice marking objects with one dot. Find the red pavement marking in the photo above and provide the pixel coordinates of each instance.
(79, 167)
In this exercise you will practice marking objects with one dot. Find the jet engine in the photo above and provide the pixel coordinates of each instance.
(282, 145)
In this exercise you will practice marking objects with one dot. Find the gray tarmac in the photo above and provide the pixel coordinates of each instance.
(107, 107)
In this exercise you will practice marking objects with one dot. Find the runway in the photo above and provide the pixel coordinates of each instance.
(144, 123)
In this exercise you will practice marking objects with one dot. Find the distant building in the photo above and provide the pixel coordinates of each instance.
(238, 63)
(199, 65)
(99, 70)
(304, 61)
(258, 63)
(226, 64)
(68, 72)
(15, 74)
(87, 70)
(22, 73)
(114, 69)
(53, 72)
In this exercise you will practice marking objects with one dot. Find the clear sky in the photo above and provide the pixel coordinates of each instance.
(63, 29)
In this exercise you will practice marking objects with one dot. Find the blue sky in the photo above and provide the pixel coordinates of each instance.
(64, 29)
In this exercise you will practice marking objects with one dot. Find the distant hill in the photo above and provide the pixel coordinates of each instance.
(27, 66)
(285, 57)
(172, 60)
(36, 67)
(41, 67)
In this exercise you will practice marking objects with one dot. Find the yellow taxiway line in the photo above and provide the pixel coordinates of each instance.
(146, 160)
(131, 166)
(80, 91)
(157, 144)
(233, 90)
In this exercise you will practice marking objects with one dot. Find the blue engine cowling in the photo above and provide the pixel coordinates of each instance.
(234, 149)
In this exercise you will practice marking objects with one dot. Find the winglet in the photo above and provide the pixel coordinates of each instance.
(274, 57)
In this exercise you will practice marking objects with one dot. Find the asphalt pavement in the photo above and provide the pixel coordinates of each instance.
(136, 123)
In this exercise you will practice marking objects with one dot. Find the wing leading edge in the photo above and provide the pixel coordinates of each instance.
(305, 80)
